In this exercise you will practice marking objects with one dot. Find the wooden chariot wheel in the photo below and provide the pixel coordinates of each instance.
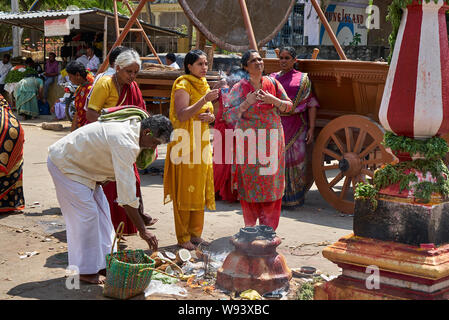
(346, 152)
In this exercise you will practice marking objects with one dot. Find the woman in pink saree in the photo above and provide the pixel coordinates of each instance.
(298, 124)
(255, 105)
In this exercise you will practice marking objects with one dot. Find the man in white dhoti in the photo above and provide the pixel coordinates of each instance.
(80, 163)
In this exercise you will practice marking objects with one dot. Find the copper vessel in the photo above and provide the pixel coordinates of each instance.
(254, 264)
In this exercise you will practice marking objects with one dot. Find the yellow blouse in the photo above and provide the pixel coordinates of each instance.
(190, 183)
(104, 94)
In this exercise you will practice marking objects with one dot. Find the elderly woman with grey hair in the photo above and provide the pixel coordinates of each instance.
(117, 90)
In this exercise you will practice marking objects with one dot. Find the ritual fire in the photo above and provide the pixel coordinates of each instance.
(254, 264)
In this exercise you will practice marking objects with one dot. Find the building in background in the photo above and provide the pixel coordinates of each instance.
(346, 18)
(168, 14)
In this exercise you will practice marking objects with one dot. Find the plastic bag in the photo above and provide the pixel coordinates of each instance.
(158, 287)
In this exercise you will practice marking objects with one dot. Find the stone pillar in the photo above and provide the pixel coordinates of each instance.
(416, 98)
(399, 249)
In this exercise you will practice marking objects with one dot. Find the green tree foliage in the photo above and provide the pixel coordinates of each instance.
(25, 5)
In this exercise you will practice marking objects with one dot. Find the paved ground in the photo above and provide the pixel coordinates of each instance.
(41, 228)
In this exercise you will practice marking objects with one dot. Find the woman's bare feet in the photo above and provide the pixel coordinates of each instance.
(198, 241)
(102, 272)
(92, 278)
(187, 245)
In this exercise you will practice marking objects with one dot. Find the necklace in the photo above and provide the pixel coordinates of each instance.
(116, 83)
(256, 85)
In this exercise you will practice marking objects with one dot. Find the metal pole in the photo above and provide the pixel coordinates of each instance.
(105, 38)
(15, 31)
(249, 28)
(329, 30)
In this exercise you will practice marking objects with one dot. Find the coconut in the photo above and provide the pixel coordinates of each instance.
(182, 256)
(169, 270)
(170, 255)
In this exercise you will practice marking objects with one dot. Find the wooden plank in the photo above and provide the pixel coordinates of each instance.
(156, 93)
(155, 81)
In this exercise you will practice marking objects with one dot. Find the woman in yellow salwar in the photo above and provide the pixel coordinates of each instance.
(188, 176)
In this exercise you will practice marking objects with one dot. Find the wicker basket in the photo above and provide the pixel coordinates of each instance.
(128, 272)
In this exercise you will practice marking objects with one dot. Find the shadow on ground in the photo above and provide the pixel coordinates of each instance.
(315, 211)
(58, 260)
(46, 212)
(56, 289)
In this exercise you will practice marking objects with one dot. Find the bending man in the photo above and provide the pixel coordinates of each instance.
(81, 162)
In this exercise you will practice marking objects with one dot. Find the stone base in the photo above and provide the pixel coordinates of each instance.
(403, 222)
(401, 271)
(345, 288)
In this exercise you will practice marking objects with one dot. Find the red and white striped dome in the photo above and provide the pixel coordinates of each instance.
(415, 101)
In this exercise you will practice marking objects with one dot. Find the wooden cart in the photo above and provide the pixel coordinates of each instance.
(347, 146)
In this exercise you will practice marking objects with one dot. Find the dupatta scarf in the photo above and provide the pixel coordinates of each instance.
(292, 127)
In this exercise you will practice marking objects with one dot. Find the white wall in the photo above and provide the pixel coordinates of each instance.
(355, 8)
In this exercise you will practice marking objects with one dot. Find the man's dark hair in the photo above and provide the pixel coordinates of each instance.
(7, 55)
(52, 54)
(159, 125)
(115, 53)
(74, 67)
(191, 57)
(171, 56)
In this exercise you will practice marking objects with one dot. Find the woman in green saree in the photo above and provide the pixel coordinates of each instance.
(27, 93)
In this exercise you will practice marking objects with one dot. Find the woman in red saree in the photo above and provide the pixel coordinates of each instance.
(11, 160)
(222, 167)
(255, 106)
(79, 76)
(119, 89)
